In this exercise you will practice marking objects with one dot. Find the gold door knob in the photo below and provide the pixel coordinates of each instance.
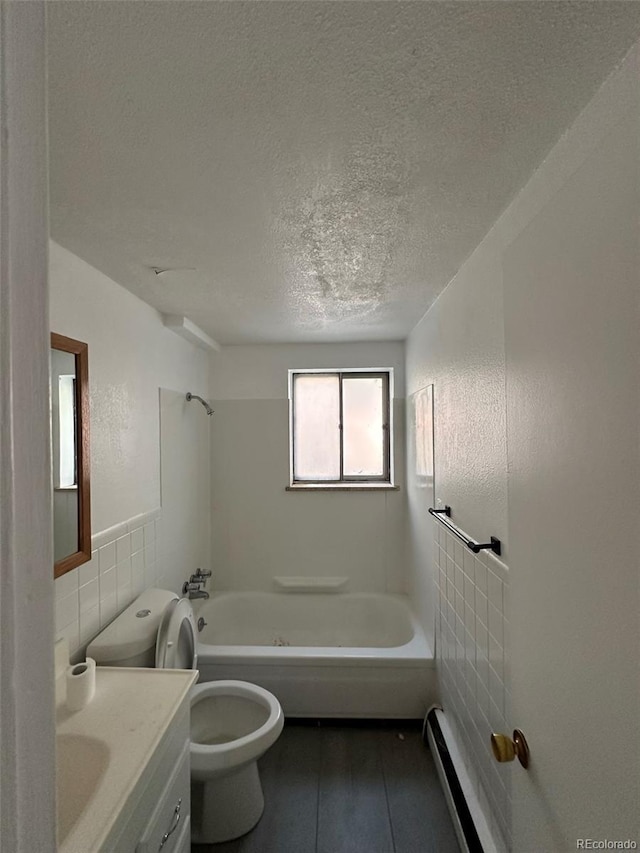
(506, 749)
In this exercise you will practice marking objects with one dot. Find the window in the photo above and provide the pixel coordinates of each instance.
(340, 427)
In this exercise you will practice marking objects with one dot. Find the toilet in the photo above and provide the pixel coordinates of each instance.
(233, 723)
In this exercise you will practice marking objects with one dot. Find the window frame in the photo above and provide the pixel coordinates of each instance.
(386, 479)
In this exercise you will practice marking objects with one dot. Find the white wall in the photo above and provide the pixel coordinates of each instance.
(571, 286)
(261, 530)
(184, 532)
(260, 372)
(534, 440)
(131, 356)
(459, 347)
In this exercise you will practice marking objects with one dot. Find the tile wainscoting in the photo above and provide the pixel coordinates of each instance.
(123, 563)
(472, 631)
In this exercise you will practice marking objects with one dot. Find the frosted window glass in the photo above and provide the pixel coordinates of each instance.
(316, 428)
(363, 421)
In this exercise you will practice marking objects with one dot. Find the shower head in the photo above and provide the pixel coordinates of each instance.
(191, 396)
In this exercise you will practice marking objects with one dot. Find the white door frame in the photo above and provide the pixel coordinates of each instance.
(27, 719)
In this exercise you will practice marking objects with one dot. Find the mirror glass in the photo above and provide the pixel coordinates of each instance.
(69, 394)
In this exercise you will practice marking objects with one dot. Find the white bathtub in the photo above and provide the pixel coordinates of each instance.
(322, 655)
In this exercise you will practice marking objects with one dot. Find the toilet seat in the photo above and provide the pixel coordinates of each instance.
(176, 643)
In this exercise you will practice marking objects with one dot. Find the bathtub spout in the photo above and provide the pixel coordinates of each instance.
(193, 590)
(199, 593)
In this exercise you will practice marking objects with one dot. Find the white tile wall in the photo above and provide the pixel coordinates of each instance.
(471, 654)
(122, 565)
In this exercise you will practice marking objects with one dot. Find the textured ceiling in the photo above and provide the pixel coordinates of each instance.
(325, 167)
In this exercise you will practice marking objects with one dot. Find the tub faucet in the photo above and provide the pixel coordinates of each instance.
(193, 590)
(193, 587)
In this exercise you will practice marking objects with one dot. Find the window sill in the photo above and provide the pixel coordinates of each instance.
(342, 487)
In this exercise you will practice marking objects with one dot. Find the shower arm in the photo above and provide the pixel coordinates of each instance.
(191, 396)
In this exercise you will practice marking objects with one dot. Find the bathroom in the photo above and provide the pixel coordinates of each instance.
(527, 332)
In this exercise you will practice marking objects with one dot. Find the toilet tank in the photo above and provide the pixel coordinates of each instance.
(130, 640)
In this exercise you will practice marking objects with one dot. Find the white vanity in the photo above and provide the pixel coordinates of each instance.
(123, 764)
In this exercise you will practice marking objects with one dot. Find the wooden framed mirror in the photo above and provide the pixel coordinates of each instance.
(69, 380)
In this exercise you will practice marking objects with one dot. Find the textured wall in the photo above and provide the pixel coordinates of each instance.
(131, 355)
(573, 364)
(458, 346)
(533, 438)
(260, 372)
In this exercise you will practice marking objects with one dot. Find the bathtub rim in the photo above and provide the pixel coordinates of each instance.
(416, 653)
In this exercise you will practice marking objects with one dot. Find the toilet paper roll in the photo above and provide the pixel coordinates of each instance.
(81, 684)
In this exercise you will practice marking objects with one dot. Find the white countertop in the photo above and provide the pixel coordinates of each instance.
(103, 749)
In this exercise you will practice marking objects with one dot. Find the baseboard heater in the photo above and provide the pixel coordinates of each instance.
(460, 814)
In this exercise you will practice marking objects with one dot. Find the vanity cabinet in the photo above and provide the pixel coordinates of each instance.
(157, 815)
(123, 774)
(169, 828)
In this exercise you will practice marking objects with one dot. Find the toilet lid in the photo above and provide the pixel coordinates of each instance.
(176, 644)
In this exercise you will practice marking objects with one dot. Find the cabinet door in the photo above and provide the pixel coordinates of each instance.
(183, 842)
(165, 830)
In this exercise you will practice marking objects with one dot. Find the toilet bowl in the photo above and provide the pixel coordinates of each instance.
(233, 723)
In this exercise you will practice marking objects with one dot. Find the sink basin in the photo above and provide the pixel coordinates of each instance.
(80, 765)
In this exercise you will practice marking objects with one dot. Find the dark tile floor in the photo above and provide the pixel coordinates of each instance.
(348, 789)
